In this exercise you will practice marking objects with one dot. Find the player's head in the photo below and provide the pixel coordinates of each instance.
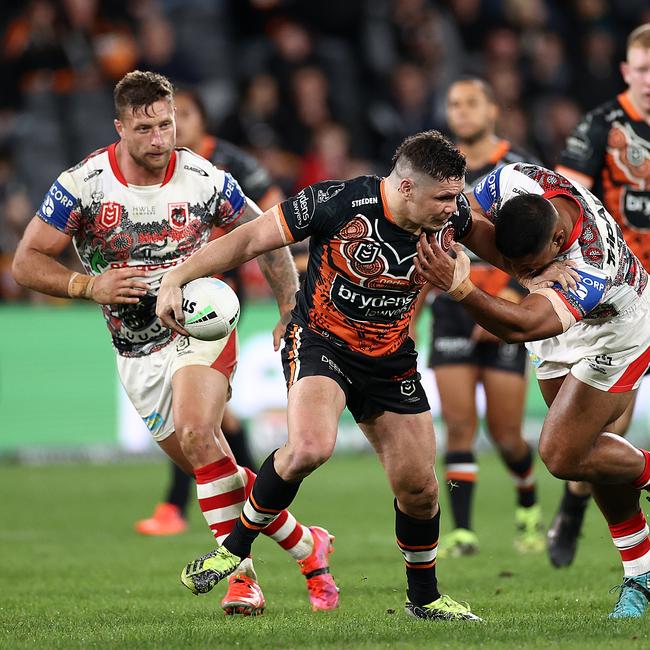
(636, 69)
(191, 118)
(527, 232)
(144, 107)
(471, 110)
(429, 173)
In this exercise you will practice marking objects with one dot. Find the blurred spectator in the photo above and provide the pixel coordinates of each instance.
(596, 70)
(329, 158)
(15, 213)
(159, 51)
(554, 118)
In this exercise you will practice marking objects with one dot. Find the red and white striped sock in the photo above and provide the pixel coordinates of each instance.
(289, 533)
(631, 539)
(644, 480)
(221, 491)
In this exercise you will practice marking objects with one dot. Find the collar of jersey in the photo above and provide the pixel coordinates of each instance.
(112, 159)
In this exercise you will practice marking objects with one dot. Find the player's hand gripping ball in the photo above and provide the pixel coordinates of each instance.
(211, 309)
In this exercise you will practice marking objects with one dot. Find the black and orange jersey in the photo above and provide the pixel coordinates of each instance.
(361, 283)
(484, 275)
(609, 151)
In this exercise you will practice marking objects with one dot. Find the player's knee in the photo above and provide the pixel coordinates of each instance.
(195, 437)
(305, 457)
(510, 446)
(559, 462)
(419, 498)
(461, 431)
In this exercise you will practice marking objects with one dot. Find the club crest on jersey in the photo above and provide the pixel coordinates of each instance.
(178, 214)
(110, 214)
(447, 237)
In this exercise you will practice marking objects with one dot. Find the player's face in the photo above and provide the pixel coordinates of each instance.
(432, 202)
(470, 114)
(636, 72)
(189, 123)
(150, 136)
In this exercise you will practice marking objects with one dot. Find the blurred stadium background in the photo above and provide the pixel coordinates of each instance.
(314, 89)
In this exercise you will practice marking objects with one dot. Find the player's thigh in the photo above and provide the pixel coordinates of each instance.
(505, 395)
(199, 395)
(314, 407)
(622, 423)
(457, 389)
(578, 414)
(406, 446)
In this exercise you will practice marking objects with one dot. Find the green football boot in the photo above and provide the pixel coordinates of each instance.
(530, 530)
(458, 543)
(443, 609)
(201, 575)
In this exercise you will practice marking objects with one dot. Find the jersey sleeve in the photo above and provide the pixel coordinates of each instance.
(61, 207)
(585, 148)
(588, 293)
(231, 201)
(310, 212)
(462, 218)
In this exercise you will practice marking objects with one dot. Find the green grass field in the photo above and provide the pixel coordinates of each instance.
(73, 574)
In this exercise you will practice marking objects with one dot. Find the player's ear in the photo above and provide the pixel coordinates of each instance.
(118, 127)
(559, 238)
(625, 71)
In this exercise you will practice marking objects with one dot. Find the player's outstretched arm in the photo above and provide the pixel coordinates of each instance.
(240, 245)
(532, 319)
(35, 267)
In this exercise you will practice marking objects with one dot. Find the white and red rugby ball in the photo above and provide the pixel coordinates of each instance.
(211, 309)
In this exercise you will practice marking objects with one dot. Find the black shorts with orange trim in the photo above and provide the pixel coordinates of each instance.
(371, 384)
(452, 342)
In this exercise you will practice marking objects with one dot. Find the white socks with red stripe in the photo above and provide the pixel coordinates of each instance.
(222, 489)
(631, 539)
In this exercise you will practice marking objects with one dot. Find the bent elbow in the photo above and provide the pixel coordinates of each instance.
(18, 268)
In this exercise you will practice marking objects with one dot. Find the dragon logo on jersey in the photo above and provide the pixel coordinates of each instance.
(110, 214)
(178, 214)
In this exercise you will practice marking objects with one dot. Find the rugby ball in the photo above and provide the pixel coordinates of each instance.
(211, 309)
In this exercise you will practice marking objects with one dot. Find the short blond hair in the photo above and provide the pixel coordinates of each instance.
(640, 37)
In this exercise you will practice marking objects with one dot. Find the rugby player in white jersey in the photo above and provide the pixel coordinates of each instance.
(591, 344)
(134, 210)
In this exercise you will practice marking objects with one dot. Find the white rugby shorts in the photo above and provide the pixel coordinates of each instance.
(610, 355)
(148, 379)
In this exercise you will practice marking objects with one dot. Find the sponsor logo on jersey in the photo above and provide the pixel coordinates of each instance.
(302, 206)
(110, 214)
(637, 208)
(178, 214)
(487, 191)
(95, 172)
(363, 304)
(589, 291)
(324, 196)
(196, 170)
(368, 200)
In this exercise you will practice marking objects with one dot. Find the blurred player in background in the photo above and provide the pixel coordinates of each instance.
(133, 210)
(609, 153)
(463, 354)
(169, 517)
